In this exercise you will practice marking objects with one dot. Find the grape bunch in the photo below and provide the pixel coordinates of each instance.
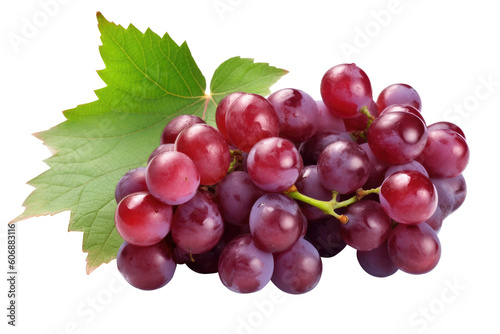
(286, 181)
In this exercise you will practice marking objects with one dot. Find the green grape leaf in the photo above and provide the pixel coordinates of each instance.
(149, 80)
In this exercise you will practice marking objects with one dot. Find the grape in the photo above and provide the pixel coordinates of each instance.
(378, 168)
(414, 249)
(446, 196)
(308, 184)
(297, 112)
(142, 220)
(208, 262)
(377, 262)
(304, 225)
(221, 112)
(436, 220)
(446, 154)
(236, 194)
(298, 269)
(345, 89)
(133, 181)
(408, 197)
(236, 199)
(360, 123)
(249, 119)
(403, 108)
(451, 194)
(208, 150)
(398, 94)
(459, 188)
(172, 177)
(243, 267)
(274, 164)
(275, 222)
(446, 125)
(176, 125)
(160, 149)
(397, 137)
(312, 148)
(343, 166)
(327, 121)
(146, 268)
(180, 255)
(324, 235)
(368, 225)
(197, 225)
(413, 165)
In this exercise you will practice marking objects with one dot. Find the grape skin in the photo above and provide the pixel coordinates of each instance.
(414, 249)
(172, 177)
(298, 269)
(275, 222)
(328, 122)
(377, 262)
(311, 149)
(176, 125)
(243, 267)
(408, 197)
(446, 154)
(324, 235)
(368, 225)
(160, 149)
(399, 94)
(446, 125)
(235, 195)
(412, 165)
(142, 220)
(133, 181)
(274, 164)
(146, 268)
(197, 225)
(221, 112)
(249, 119)
(378, 168)
(403, 108)
(208, 150)
(297, 112)
(343, 166)
(397, 137)
(345, 89)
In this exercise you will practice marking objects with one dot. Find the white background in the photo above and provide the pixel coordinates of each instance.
(447, 50)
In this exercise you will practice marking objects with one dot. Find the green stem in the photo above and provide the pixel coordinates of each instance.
(236, 158)
(364, 110)
(356, 135)
(329, 207)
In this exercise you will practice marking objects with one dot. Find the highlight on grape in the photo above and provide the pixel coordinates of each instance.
(286, 181)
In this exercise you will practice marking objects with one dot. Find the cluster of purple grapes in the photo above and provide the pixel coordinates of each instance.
(279, 185)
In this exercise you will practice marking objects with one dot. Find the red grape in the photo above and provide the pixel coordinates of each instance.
(408, 197)
(249, 119)
(172, 177)
(414, 249)
(243, 267)
(207, 149)
(146, 268)
(345, 89)
(142, 220)
(398, 94)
